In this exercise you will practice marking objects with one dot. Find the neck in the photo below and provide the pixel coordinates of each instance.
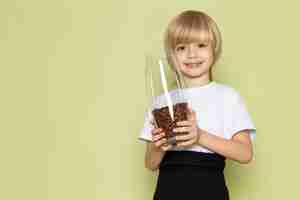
(196, 82)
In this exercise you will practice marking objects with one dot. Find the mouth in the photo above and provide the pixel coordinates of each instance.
(193, 65)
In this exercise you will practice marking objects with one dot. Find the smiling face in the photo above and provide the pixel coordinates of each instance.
(193, 45)
(194, 59)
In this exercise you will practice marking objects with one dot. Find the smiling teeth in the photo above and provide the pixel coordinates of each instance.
(192, 65)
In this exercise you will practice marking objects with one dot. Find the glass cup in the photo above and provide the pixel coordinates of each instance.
(165, 90)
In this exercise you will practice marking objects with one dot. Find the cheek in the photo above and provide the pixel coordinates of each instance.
(207, 53)
(179, 58)
(209, 56)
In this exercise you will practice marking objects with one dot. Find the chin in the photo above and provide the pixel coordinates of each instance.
(195, 74)
(192, 75)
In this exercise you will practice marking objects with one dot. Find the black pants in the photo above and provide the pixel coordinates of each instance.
(188, 175)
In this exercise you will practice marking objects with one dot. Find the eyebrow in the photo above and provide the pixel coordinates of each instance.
(198, 42)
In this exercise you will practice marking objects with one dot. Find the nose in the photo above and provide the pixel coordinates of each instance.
(191, 51)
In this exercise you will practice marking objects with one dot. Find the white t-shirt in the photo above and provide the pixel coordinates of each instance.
(220, 110)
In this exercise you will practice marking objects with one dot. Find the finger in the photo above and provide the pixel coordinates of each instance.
(184, 123)
(160, 143)
(185, 143)
(158, 137)
(156, 131)
(184, 137)
(182, 129)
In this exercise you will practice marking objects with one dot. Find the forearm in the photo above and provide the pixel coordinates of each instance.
(230, 149)
(153, 157)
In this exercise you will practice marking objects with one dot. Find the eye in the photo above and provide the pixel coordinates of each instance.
(180, 48)
(202, 45)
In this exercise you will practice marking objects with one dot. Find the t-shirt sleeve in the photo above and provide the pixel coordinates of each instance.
(145, 134)
(238, 117)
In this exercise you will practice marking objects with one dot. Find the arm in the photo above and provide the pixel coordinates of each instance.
(156, 150)
(239, 148)
(153, 157)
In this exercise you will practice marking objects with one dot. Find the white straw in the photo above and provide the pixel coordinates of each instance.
(164, 82)
(151, 86)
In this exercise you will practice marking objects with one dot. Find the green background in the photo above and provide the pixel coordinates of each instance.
(73, 99)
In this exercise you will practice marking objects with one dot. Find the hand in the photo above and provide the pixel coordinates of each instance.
(191, 128)
(159, 140)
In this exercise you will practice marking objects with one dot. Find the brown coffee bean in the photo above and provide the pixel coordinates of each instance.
(164, 120)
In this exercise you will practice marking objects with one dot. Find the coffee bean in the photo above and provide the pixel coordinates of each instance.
(164, 120)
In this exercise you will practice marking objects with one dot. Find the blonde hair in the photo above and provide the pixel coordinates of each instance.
(192, 26)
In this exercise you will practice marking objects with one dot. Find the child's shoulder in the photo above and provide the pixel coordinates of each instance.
(227, 91)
